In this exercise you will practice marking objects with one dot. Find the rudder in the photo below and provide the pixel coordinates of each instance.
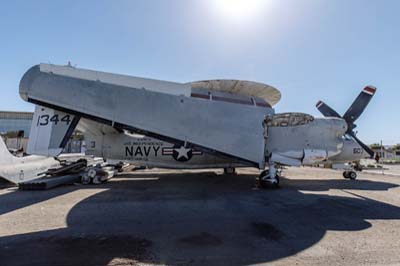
(50, 131)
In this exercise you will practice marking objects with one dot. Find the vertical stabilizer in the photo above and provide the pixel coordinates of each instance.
(5, 156)
(50, 131)
(21, 169)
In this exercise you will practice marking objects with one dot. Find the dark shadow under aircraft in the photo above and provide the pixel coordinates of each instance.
(192, 219)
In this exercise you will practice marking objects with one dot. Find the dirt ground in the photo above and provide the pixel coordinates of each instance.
(205, 218)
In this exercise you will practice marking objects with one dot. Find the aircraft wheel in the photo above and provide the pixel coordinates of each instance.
(85, 179)
(265, 181)
(352, 175)
(346, 174)
(276, 184)
(96, 180)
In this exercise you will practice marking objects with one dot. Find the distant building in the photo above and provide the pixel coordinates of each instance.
(387, 152)
(393, 152)
(15, 121)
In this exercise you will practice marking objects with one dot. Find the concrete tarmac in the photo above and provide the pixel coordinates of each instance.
(165, 217)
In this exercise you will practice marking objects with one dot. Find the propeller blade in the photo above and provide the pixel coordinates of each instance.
(326, 110)
(359, 104)
(364, 146)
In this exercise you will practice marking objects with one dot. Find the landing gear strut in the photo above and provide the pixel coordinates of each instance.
(269, 178)
(350, 175)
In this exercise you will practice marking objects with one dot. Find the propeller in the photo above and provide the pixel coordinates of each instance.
(326, 110)
(352, 114)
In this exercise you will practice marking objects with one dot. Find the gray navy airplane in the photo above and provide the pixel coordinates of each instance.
(21, 169)
(203, 124)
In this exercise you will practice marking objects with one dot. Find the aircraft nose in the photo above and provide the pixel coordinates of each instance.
(339, 126)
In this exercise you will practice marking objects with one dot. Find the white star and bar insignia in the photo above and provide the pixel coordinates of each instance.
(180, 153)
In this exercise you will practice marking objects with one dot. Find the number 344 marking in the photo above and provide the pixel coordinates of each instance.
(44, 120)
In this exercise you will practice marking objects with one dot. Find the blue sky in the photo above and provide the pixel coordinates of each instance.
(308, 49)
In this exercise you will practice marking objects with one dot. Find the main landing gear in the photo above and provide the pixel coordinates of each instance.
(350, 174)
(269, 178)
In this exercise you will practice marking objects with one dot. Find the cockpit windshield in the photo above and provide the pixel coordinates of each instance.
(288, 120)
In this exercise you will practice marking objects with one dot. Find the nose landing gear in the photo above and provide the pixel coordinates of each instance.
(350, 175)
(268, 178)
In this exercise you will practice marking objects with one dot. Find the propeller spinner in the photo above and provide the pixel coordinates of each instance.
(352, 114)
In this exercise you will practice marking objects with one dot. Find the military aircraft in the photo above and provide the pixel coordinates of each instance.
(140, 150)
(21, 169)
(212, 123)
(353, 149)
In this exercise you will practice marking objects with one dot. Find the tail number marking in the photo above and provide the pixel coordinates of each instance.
(44, 120)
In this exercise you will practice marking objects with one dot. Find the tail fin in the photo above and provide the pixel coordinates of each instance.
(5, 156)
(50, 131)
(21, 169)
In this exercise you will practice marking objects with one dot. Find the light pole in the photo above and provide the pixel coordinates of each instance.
(381, 157)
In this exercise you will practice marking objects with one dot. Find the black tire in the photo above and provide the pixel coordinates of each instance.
(346, 174)
(352, 175)
(263, 173)
(265, 184)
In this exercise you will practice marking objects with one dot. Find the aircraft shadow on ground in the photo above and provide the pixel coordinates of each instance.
(192, 219)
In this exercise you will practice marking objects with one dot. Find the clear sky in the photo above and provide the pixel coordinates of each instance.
(308, 49)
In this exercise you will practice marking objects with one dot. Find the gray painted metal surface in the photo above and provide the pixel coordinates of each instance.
(228, 128)
(321, 133)
(104, 141)
(150, 152)
(48, 131)
(20, 169)
(240, 87)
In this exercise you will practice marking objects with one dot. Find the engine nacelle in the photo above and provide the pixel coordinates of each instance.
(300, 139)
(302, 157)
(314, 156)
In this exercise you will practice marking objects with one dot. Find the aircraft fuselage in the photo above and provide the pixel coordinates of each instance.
(146, 151)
